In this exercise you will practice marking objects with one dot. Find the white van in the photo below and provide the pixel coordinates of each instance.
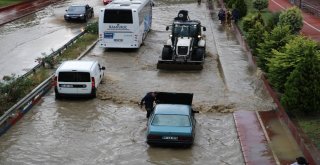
(78, 78)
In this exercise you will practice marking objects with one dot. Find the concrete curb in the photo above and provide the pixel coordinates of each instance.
(87, 50)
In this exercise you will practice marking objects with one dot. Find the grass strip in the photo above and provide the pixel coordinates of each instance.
(5, 3)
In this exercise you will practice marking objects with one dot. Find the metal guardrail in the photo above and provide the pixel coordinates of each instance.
(11, 116)
(55, 53)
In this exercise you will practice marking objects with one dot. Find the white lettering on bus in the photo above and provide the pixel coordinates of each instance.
(118, 27)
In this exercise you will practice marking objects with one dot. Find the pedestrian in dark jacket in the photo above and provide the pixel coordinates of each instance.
(235, 15)
(148, 101)
(222, 16)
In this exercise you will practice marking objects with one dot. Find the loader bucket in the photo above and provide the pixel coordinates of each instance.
(179, 65)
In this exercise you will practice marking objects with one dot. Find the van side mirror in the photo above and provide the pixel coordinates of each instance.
(103, 68)
(167, 28)
(204, 28)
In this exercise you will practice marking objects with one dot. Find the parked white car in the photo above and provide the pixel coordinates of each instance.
(78, 78)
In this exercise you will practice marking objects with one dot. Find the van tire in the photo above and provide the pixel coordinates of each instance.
(93, 93)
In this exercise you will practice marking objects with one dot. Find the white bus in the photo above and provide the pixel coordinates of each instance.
(125, 23)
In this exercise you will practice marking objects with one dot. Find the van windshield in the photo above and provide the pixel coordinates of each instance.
(74, 77)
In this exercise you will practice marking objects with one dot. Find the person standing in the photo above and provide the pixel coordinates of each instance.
(148, 101)
(235, 15)
(222, 16)
(300, 161)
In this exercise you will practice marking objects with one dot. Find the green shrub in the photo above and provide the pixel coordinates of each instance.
(283, 62)
(254, 37)
(260, 4)
(250, 20)
(302, 90)
(275, 40)
(93, 28)
(293, 18)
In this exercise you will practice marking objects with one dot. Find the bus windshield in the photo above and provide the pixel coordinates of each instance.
(118, 16)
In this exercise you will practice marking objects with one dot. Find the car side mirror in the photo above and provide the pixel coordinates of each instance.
(204, 28)
(67, 10)
(167, 28)
(103, 68)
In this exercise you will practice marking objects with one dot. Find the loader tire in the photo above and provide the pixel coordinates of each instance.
(198, 55)
(166, 53)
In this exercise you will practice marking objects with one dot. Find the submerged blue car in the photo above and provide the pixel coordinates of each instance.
(172, 121)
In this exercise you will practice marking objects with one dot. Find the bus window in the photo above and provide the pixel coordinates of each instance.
(118, 16)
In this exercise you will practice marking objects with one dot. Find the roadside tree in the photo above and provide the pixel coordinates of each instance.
(293, 18)
(260, 4)
(284, 61)
(302, 90)
(275, 40)
(254, 37)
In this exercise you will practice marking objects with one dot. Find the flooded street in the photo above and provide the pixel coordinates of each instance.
(111, 128)
(38, 34)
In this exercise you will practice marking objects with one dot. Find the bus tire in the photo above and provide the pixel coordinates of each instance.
(166, 53)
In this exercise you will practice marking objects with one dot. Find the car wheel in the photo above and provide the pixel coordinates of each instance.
(166, 53)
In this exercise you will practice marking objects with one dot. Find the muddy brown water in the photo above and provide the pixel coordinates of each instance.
(111, 128)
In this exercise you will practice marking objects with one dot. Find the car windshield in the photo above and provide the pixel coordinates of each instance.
(171, 120)
(76, 9)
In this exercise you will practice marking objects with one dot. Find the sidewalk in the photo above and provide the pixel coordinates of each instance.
(311, 26)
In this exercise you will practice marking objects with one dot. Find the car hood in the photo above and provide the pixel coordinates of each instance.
(174, 98)
(169, 131)
(78, 13)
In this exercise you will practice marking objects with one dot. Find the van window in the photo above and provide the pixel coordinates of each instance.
(74, 77)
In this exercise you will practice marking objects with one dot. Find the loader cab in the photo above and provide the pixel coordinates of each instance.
(191, 29)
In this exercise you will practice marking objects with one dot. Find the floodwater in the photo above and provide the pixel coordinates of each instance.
(26, 39)
(111, 128)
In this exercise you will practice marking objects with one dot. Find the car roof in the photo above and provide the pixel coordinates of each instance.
(172, 109)
(77, 66)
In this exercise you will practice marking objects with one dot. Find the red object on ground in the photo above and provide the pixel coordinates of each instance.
(252, 139)
(311, 23)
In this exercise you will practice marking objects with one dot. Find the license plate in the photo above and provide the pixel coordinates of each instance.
(170, 138)
(118, 40)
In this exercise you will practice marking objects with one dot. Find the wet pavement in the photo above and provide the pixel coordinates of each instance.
(35, 35)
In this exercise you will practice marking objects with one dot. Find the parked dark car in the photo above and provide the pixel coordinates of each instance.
(172, 121)
(79, 12)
